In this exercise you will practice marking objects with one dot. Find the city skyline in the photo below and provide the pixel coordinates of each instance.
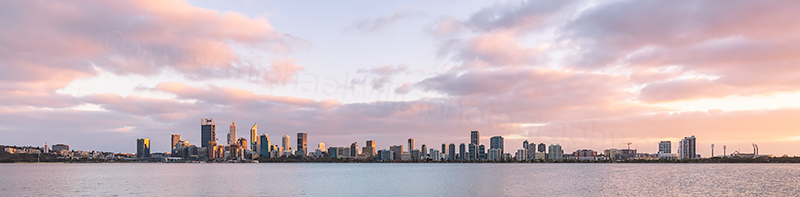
(584, 74)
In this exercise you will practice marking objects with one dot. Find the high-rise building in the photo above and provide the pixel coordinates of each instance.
(354, 149)
(208, 131)
(473, 152)
(302, 143)
(397, 151)
(451, 151)
(531, 150)
(686, 148)
(525, 145)
(462, 151)
(264, 146)
(142, 148)
(45, 148)
(555, 152)
(665, 147)
(424, 149)
(496, 142)
(369, 149)
(232, 134)
(481, 152)
(321, 146)
(254, 140)
(475, 137)
(285, 142)
(410, 144)
(444, 150)
(174, 142)
(542, 147)
(522, 154)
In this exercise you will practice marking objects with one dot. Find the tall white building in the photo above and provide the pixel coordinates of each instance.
(686, 148)
(285, 142)
(555, 152)
(232, 134)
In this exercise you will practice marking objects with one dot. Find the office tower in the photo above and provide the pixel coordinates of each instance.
(254, 140)
(555, 152)
(686, 148)
(475, 137)
(410, 144)
(481, 152)
(451, 151)
(462, 151)
(444, 149)
(285, 142)
(435, 155)
(321, 146)
(45, 148)
(525, 145)
(354, 149)
(531, 150)
(346, 152)
(497, 143)
(542, 147)
(142, 148)
(264, 145)
(369, 150)
(208, 129)
(397, 151)
(424, 149)
(665, 147)
(302, 143)
(232, 134)
(174, 142)
(473, 152)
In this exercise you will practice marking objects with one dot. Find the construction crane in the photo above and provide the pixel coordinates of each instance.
(629, 145)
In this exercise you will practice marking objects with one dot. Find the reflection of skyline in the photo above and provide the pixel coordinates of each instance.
(575, 73)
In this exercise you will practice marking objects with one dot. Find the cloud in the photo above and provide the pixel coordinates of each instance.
(377, 24)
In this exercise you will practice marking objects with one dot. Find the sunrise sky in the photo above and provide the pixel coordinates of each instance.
(584, 74)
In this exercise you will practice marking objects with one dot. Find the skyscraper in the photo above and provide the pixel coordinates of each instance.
(481, 152)
(369, 150)
(475, 138)
(208, 131)
(410, 144)
(321, 146)
(451, 151)
(555, 152)
(424, 149)
(142, 148)
(285, 142)
(354, 149)
(254, 136)
(174, 142)
(232, 134)
(473, 152)
(462, 151)
(397, 151)
(686, 148)
(665, 147)
(542, 147)
(264, 147)
(496, 142)
(302, 143)
(525, 145)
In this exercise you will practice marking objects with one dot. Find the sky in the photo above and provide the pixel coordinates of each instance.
(97, 75)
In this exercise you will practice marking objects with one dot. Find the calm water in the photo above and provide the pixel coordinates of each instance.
(317, 179)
